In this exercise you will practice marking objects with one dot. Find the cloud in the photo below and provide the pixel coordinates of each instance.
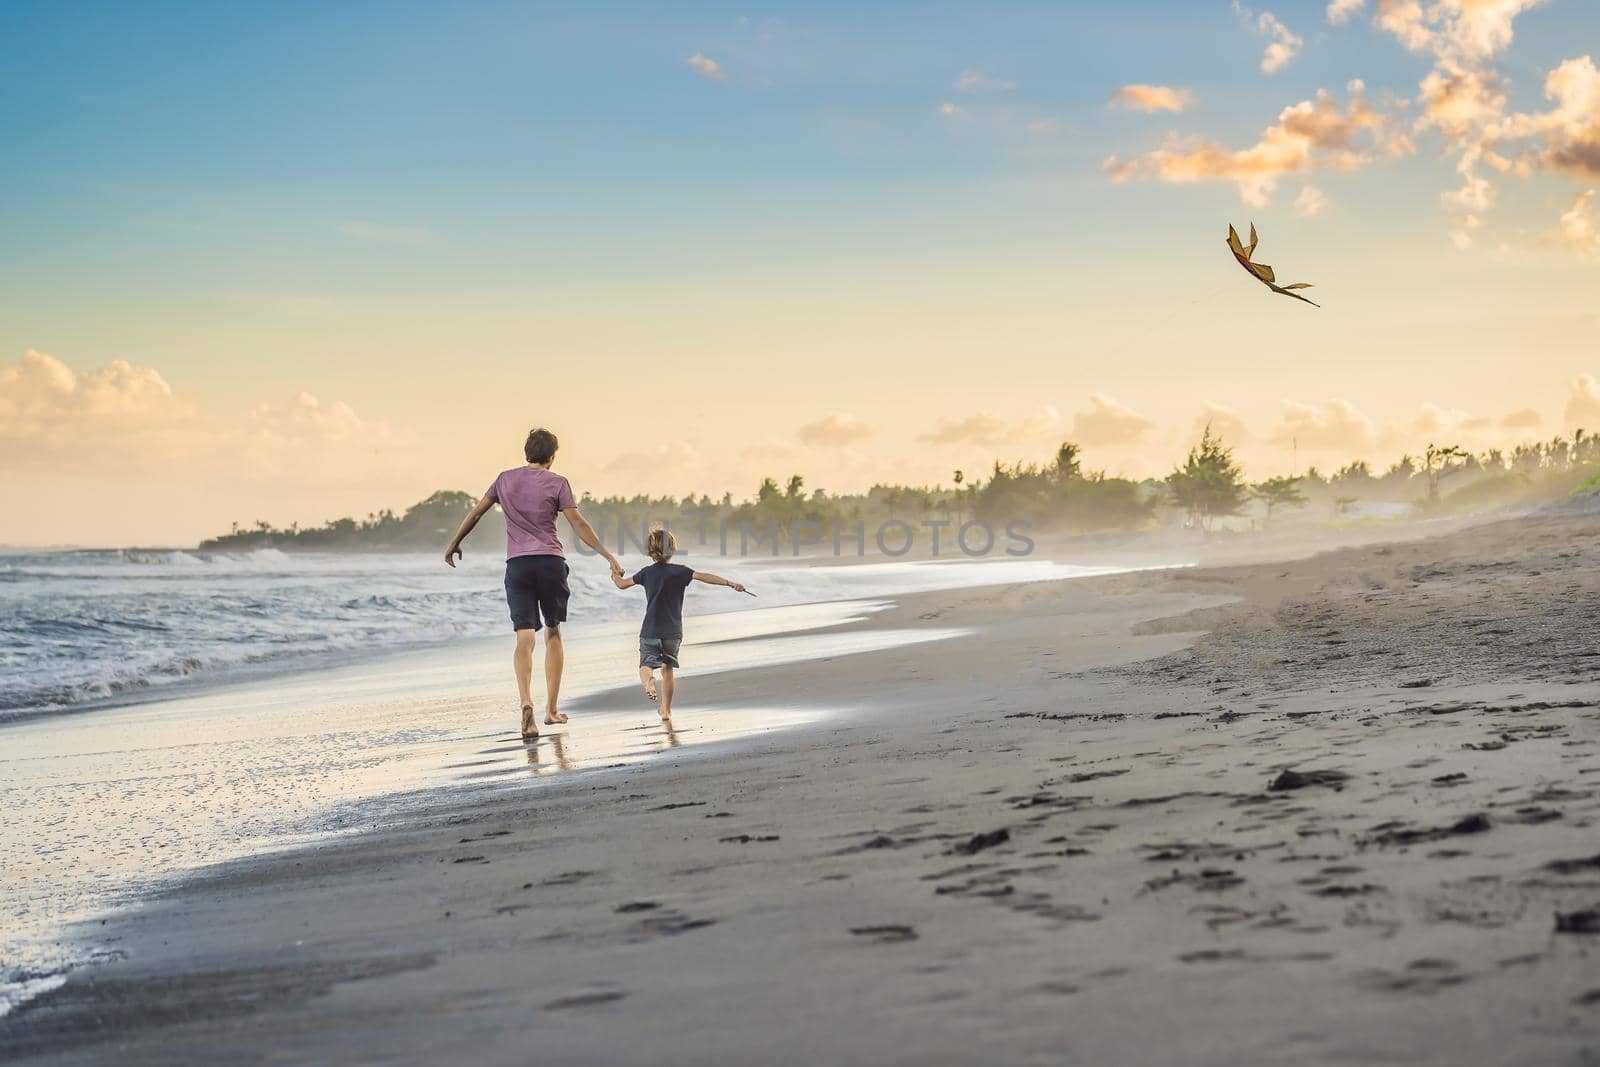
(1579, 228)
(1224, 422)
(837, 430)
(1108, 422)
(1456, 100)
(1433, 419)
(973, 82)
(681, 457)
(1284, 46)
(1583, 405)
(45, 402)
(1044, 127)
(127, 418)
(1311, 135)
(706, 67)
(1152, 98)
(1525, 419)
(949, 109)
(1339, 11)
(1310, 203)
(1571, 129)
(1463, 99)
(987, 428)
(1337, 425)
(389, 235)
(1464, 30)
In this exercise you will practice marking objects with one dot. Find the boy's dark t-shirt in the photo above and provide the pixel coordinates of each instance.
(664, 584)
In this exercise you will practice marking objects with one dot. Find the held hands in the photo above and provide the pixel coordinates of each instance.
(616, 579)
(616, 570)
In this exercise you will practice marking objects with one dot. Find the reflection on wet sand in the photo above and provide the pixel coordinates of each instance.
(673, 741)
(560, 759)
(612, 740)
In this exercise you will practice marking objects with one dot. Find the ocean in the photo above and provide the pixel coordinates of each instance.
(89, 629)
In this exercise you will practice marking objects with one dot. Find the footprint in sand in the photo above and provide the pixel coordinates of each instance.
(584, 1000)
(886, 935)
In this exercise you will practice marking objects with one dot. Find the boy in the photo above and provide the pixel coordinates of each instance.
(662, 633)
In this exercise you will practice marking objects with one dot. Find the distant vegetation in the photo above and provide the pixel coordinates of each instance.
(426, 524)
(1207, 491)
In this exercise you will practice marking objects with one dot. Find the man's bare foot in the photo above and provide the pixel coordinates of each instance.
(529, 729)
(650, 688)
(554, 718)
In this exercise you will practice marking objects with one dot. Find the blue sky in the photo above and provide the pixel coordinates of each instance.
(402, 207)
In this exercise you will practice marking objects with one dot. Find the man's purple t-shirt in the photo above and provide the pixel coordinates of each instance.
(531, 498)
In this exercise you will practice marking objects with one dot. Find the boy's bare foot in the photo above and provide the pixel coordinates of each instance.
(650, 688)
(554, 718)
(666, 716)
(529, 729)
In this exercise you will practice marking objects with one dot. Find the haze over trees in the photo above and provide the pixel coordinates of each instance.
(1208, 491)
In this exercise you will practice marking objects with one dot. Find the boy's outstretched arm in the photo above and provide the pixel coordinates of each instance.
(586, 534)
(621, 582)
(467, 524)
(715, 579)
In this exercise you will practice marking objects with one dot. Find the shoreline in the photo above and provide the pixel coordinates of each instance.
(858, 900)
(189, 674)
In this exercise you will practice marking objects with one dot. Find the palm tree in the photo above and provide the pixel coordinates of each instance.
(1437, 465)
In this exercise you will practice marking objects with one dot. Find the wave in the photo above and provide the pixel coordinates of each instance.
(85, 629)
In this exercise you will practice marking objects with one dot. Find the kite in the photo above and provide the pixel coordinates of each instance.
(1260, 271)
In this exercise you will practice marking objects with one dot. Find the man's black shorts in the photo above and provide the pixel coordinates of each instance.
(535, 586)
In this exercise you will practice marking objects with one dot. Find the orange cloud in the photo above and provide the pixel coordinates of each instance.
(1583, 405)
(1525, 419)
(987, 428)
(1311, 135)
(1285, 45)
(1337, 425)
(1339, 11)
(1224, 423)
(1571, 129)
(51, 415)
(1579, 227)
(1151, 98)
(834, 431)
(706, 68)
(1310, 202)
(1108, 422)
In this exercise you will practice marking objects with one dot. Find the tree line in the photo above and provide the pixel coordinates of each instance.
(1206, 490)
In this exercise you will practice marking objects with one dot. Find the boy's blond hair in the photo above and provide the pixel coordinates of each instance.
(660, 544)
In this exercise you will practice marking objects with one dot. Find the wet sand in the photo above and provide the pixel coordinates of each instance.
(1337, 809)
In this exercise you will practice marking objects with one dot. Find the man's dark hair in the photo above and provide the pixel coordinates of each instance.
(541, 446)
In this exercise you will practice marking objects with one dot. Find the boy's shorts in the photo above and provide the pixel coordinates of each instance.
(535, 586)
(659, 651)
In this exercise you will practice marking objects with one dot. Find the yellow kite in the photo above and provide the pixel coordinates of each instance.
(1260, 271)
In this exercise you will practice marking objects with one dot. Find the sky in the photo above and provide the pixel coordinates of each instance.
(297, 261)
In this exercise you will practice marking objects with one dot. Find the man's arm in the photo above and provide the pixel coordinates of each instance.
(714, 579)
(453, 553)
(586, 534)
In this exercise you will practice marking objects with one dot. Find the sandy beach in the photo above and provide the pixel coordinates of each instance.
(1335, 809)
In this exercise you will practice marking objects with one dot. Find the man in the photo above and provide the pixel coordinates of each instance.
(536, 569)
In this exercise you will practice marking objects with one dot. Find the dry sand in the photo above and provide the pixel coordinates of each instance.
(1355, 821)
